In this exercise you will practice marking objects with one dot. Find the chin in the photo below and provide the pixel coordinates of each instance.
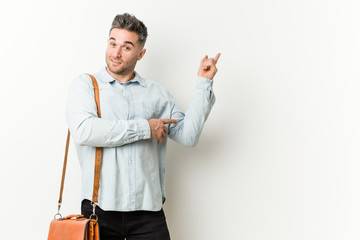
(115, 70)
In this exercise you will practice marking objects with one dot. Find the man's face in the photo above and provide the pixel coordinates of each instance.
(123, 51)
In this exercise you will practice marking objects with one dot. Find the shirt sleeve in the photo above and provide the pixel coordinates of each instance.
(88, 129)
(187, 130)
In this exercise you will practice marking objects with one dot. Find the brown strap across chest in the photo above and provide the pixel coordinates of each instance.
(98, 153)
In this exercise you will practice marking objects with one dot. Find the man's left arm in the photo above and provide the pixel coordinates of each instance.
(187, 130)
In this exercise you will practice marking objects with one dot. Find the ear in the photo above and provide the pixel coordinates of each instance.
(142, 53)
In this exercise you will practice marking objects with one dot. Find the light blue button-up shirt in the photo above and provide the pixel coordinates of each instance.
(133, 165)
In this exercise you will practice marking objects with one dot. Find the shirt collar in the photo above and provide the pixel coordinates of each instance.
(106, 77)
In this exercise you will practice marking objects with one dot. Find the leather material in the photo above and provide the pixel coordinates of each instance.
(74, 229)
(74, 216)
(98, 153)
(98, 158)
(75, 226)
(64, 166)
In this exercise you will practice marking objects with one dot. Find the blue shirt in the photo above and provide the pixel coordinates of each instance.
(133, 165)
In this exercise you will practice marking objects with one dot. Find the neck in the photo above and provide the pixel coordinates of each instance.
(123, 78)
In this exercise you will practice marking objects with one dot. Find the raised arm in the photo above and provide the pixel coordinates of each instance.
(187, 130)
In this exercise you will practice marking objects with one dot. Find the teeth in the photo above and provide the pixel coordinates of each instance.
(115, 61)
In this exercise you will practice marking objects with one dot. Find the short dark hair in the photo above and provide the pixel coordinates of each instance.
(130, 23)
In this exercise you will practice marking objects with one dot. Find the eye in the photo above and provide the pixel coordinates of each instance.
(112, 44)
(127, 48)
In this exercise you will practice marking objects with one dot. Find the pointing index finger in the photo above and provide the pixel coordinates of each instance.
(167, 121)
(217, 57)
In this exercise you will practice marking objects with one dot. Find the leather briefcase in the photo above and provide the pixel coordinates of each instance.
(76, 226)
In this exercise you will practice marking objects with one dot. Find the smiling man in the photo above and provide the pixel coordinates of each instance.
(131, 51)
(137, 116)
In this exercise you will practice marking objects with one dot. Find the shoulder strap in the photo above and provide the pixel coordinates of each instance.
(98, 154)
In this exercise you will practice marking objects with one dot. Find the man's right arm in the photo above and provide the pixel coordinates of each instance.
(87, 129)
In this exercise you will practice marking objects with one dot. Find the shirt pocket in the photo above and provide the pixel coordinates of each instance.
(152, 108)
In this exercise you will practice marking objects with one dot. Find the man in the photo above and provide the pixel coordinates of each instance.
(137, 115)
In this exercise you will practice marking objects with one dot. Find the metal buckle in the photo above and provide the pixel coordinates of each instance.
(93, 214)
(58, 213)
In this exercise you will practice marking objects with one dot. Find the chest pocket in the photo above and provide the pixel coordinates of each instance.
(153, 108)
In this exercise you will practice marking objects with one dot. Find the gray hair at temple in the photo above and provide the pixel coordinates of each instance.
(132, 24)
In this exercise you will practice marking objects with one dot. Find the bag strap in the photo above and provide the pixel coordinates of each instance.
(98, 155)
(98, 152)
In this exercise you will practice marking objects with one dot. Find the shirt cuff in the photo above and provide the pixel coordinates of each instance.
(205, 84)
(143, 128)
(205, 81)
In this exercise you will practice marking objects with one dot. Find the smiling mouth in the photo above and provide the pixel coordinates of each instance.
(116, 62)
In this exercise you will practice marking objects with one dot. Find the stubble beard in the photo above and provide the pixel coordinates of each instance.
(123, 69)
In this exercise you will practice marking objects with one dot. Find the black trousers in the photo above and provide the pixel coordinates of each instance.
(134, 225)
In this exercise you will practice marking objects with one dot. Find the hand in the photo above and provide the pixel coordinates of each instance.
(158, 129)
(207, 67)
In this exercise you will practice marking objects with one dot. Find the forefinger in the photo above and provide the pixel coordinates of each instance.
(217, 57)
(167, 121)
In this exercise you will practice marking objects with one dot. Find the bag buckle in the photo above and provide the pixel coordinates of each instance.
(94, 214)
(58, 213)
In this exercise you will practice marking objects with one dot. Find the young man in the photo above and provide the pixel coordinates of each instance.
(137, 115)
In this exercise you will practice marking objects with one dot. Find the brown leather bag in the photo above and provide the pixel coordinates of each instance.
(76, 227)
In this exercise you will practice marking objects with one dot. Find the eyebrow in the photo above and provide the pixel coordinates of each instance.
(126, 42)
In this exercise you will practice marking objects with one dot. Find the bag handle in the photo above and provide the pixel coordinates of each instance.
(98, 157)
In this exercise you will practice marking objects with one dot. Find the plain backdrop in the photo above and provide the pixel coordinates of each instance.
(278, 158)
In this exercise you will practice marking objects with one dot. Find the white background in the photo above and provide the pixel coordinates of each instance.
(279, 155)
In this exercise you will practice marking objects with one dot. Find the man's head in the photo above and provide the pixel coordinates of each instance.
(125, 44)
(132, 24)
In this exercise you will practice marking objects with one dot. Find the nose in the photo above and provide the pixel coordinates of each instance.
(117, 52)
